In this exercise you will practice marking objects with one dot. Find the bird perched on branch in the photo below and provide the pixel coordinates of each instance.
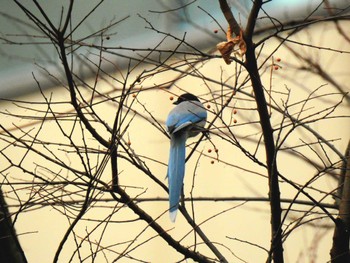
(186, 120)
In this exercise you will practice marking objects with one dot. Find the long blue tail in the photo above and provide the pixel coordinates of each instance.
(176, 171)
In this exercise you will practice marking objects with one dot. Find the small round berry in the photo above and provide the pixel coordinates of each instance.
(209, 150)
(234, 121)
(212, 162)
(278, 59)
(276, 67)
(208, 106)
(234, 111)
(216, 31)
(171, 98)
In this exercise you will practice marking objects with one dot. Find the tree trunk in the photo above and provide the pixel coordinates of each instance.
(10, 249)
(340, 249)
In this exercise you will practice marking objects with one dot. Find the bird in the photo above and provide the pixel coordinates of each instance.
(186, 119)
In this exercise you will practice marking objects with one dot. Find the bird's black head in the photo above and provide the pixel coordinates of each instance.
(186, 97)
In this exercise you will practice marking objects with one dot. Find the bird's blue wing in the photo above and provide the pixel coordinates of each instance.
(181, 117)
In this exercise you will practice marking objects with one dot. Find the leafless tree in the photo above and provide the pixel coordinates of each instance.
(74, 150)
